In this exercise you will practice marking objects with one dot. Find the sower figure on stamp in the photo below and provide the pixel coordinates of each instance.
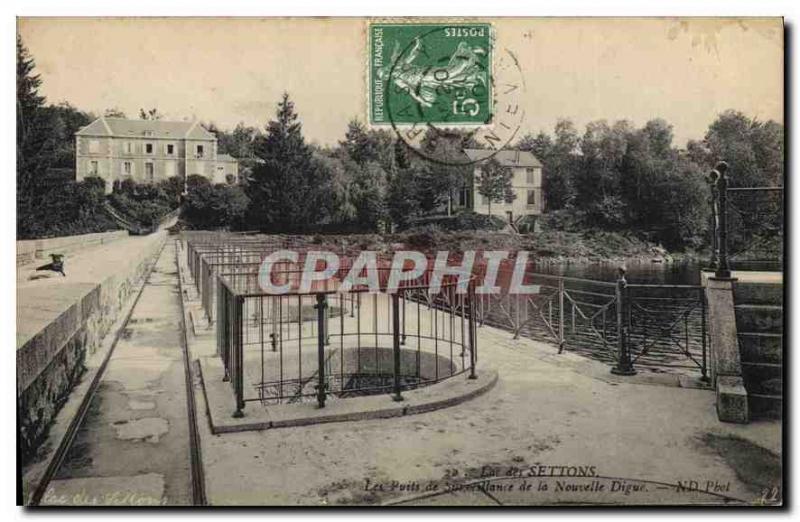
(56, 266)
(423, 82)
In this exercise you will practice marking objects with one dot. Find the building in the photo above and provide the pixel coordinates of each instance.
(526, 182)
(148, 151)
(227, 170)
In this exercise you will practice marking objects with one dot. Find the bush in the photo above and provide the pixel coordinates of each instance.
(208, 206)
(70, 208)
(146, 203)
(462, 221)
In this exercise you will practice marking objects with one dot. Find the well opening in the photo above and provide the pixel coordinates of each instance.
(331, 341)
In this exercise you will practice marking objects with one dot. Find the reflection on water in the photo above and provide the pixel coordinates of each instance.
(685, 273)
(679, 273)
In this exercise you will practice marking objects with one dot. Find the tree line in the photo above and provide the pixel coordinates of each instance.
(50, 202)
(610, 176)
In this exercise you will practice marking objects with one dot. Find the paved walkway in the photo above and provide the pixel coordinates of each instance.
(43, 296)
(133, 447)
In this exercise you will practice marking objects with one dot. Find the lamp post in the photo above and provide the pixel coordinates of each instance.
(719, 172)
(713, 176)
(624, 364)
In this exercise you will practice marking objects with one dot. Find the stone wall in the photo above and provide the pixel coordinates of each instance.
(52, 361)
(31, 250)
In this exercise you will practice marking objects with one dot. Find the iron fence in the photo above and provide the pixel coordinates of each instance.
(270, 343)
(660, 326)
(329, 344)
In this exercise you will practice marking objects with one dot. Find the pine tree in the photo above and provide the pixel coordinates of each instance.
(35, 141)
(286, 190)
(358, 144)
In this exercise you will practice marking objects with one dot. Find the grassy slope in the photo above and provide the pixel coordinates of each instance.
(550, 245)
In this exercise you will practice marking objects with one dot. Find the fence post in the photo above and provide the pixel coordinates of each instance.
(704, 367)
(471, 295)
(561, 290)
(723, 268)
(396, 345)
(238, 375)
(322, 304)
(624, 365)
(224, 333)
(275, 333)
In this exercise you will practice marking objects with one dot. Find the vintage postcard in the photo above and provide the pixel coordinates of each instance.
(400, 262)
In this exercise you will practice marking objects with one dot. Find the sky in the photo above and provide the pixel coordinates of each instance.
(230, 70)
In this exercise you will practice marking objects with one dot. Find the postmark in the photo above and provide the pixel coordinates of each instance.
(443, 80)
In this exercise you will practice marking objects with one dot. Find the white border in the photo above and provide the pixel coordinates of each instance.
(463, 8)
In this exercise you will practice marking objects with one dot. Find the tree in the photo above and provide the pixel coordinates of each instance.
(597, 180)
(368, 194)
(358, 144)
(151, 114)
(66, 120)
(753, 150)
(172, 189)
(288, 190)
(114, 112)
(36, 143)
(560, 162)
(342, 187)
(239, 143)
(494, 183)
(403, 195)
(442, 179)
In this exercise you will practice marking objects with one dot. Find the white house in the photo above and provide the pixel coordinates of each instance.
(526, 182)
(149, 151)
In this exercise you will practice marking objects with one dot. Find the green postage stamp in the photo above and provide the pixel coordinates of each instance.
(431, 73)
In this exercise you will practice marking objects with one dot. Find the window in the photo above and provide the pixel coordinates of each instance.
(148, 148)
(94, 146)
(127, 147)
(126, 168)
(93, 168)
(531, 198)
(169, 169)
(530, 176)
(170, 149)
(199, 152)
(463, 197)
(149, 171)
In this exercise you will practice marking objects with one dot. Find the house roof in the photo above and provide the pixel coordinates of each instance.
(225, 157)
(121, 127)
(507, 158)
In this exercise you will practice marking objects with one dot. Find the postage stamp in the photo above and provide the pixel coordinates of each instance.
(430, 73)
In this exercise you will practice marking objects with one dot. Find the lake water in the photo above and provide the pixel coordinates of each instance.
(677, 273)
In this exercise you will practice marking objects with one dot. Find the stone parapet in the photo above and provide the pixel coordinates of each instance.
(726, 365)
(62, 322)
(31, 250)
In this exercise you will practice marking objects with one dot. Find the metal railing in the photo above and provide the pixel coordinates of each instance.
(618, 323)
(328, 344)
(625, 325)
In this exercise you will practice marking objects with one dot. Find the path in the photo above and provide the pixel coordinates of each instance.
(548, 409)
(133, 446)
